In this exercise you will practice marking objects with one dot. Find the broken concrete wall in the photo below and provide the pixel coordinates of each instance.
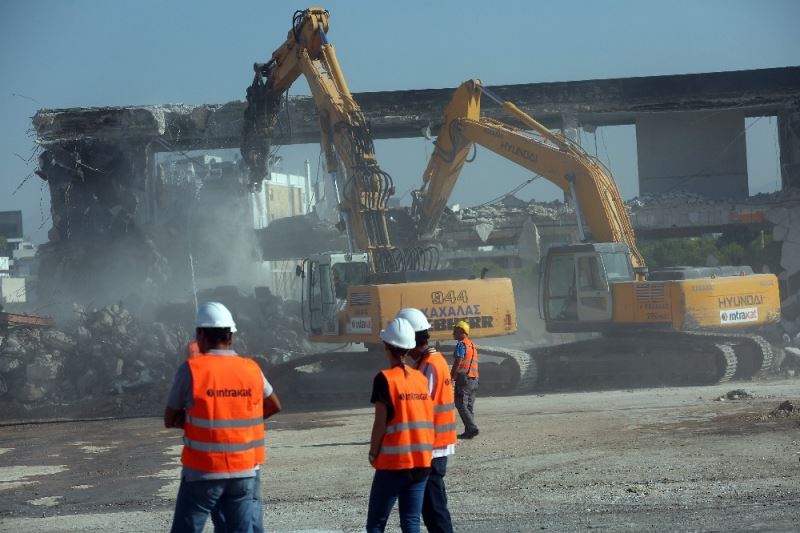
(99, 250)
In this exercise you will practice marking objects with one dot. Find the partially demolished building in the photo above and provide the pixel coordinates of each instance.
(124, 231)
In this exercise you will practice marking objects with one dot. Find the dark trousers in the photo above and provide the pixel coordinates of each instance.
(196, 499)
(389, 486)
(218, 519)
(466, 389)
(434, 503)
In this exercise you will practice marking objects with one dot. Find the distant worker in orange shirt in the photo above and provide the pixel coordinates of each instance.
(465, 374)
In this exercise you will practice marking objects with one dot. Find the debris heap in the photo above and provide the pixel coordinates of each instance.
(107, 362)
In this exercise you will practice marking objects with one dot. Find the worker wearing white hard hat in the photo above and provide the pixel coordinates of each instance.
(402, 436)
(220, 400)
(434, 367)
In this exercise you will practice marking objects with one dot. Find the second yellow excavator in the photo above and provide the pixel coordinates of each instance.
(696, 324)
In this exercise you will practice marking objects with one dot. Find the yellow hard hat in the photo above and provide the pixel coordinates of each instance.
(463, 326)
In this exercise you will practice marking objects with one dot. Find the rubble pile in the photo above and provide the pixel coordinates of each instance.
(107, 362)
(736, 394)
(509, 209)
(100, 352)
(784, 410)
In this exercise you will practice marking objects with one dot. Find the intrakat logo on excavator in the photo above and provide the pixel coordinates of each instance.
(733, 316)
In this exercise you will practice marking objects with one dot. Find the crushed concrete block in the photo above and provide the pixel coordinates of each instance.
(43, 368)
(9, 364)
(86, 382)
(12, 347)
(32, 392)
(57, 340)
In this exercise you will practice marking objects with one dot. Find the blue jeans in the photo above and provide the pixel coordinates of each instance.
(387, 487)
(218, 518)
(434, 505)
(196, 499)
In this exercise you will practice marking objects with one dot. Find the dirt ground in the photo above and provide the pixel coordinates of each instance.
(646, 459)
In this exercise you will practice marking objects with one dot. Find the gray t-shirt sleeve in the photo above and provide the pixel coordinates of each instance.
(180, 395)
(267, 386)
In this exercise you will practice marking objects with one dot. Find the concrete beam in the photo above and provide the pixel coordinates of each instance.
(399, 114)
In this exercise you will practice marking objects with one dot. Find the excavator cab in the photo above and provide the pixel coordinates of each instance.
(575, 292)
(326, 278)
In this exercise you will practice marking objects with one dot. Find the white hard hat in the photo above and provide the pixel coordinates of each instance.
(416, 318)
(399, 333)
(214, 315)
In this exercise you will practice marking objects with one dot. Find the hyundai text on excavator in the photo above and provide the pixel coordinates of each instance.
(348, 296)
(686, 324)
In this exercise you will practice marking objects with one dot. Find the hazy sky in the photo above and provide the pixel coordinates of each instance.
(69, 53)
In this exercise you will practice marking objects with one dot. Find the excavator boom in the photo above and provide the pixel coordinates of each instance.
(548, 154)
(363, 189)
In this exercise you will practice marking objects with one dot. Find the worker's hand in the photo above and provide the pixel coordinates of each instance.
(372, 458)
(180, 419)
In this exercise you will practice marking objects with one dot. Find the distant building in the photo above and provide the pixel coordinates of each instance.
(12, 291)
(11, 224)
(283, 195)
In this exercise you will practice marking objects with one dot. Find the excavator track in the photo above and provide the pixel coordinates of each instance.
(651, 359)
(503, 371)
(345, 378)
(754, 354)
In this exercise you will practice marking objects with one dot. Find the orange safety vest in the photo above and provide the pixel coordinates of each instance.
(469, 363)
(444, 408)
(192, 350)
(224, 430)
(408, 441)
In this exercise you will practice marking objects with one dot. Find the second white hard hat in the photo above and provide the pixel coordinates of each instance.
(214, 315)
(416, 318)
(399, 333)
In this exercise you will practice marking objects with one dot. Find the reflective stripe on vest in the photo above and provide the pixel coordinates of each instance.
(222, 446)
(211, 424)
(394, 428)
(444, 408)
(224, 429)
(408, 441)
(469, 363)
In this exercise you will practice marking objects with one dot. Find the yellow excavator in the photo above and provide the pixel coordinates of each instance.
(689, 324)
(350, 295)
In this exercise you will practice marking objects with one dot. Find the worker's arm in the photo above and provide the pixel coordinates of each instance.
(272, 405)
(174, 418)
(458, 354)
(179, 395)
(378, 431)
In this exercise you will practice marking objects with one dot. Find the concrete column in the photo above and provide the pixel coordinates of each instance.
(789, 142)
(701, 152)
(569, 126)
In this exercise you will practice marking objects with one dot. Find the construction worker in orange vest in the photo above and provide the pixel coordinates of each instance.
(465, 374)
(402, 434)
(221, 401)
(217, 518)
(433, 366)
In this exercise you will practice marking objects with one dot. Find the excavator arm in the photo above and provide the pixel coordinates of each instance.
(598, 202)
(363, 189)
